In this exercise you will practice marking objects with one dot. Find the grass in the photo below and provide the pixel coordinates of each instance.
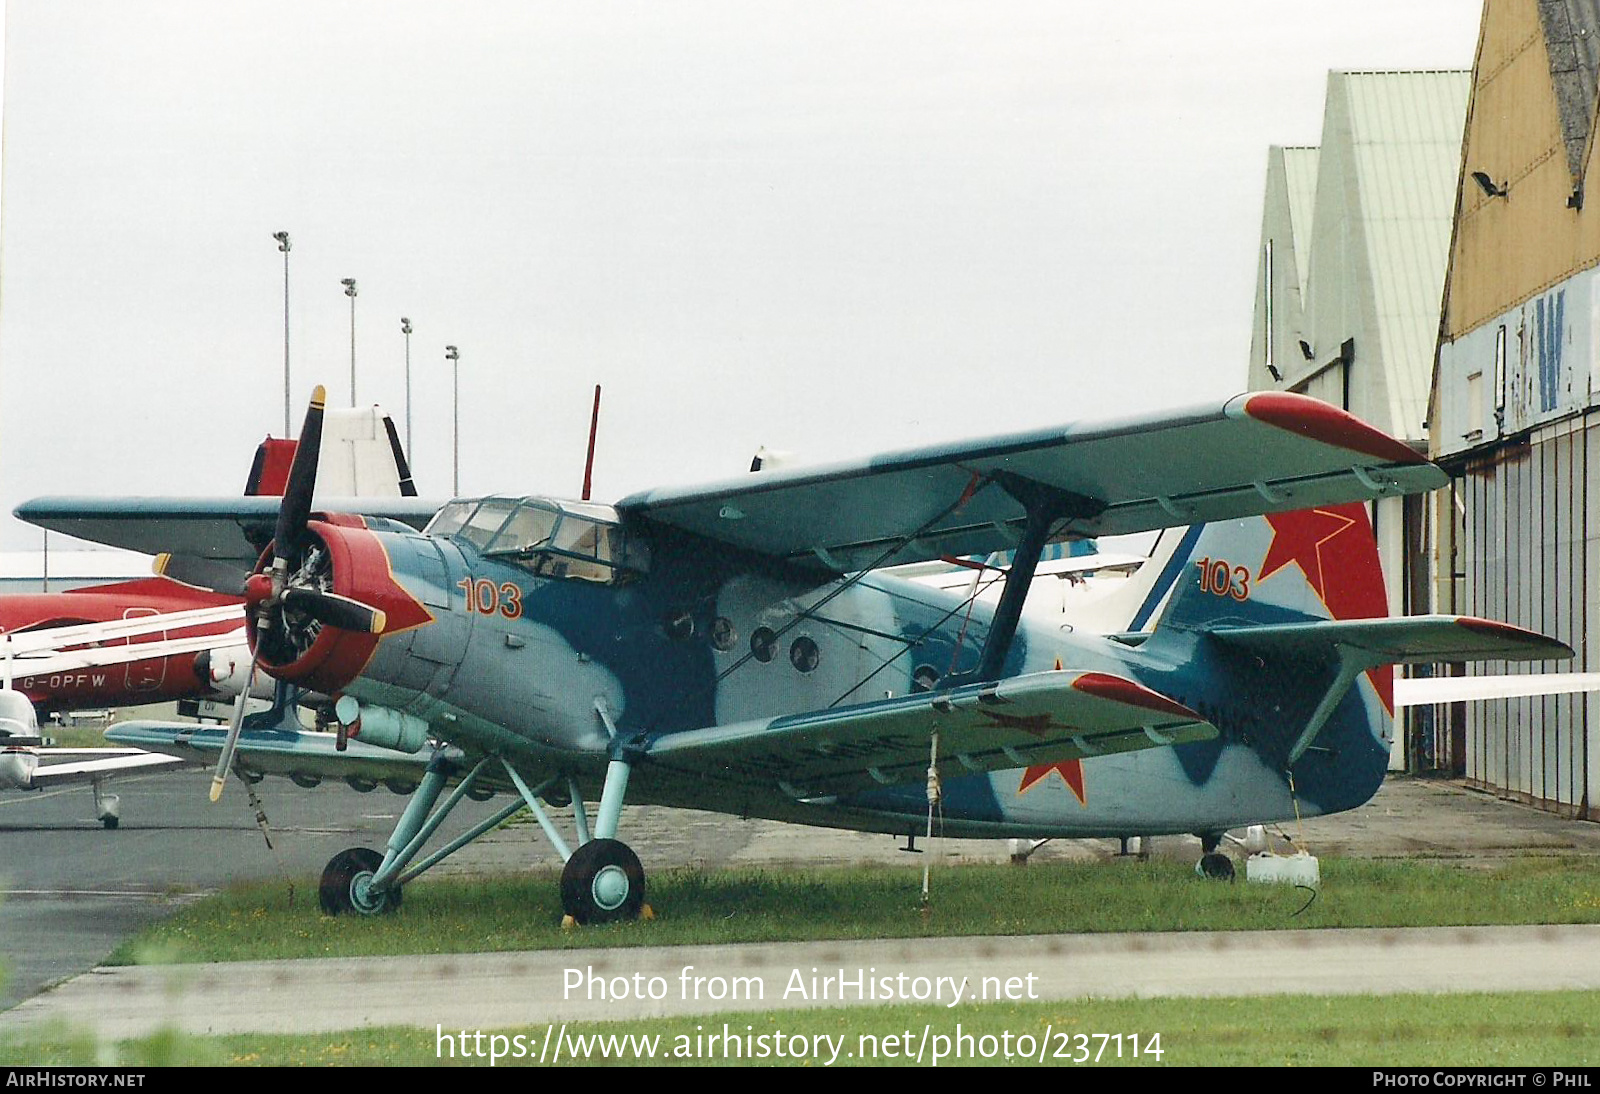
(1474, 1030)
(264, 921)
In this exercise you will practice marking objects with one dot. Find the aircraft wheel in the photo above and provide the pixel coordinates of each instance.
(346, 885)
(603, 882)
(1215, 866)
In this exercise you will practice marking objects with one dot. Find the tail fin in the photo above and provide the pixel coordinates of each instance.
(361, 458)
(1276, 619)
(1316, 570)
(1280, 568)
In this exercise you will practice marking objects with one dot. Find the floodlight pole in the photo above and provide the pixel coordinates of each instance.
(283, 245)
(405, 329)
(453, 355)
(349, 284)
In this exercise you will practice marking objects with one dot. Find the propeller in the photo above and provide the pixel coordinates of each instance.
(293, 599)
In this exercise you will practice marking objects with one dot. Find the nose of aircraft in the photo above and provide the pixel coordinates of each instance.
(321, 628)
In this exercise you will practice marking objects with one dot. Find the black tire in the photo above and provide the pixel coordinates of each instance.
(599, 865)
(1215, 866)
(343, 888)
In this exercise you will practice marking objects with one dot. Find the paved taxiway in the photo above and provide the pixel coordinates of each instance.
(520, 991)
(71, 891)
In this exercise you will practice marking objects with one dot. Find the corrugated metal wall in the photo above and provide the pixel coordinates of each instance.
(1532, 540)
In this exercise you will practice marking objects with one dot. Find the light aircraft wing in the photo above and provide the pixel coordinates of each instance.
(1254, 454)
(111, 761)
(274, 752)
(44, 664)
(1417, 691)
(1040, 718)
(228, 529)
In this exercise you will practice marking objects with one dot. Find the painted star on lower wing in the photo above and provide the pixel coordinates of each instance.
(1071, 772)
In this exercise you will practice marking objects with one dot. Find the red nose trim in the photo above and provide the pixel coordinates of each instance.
(1322, 422)
(361, 571)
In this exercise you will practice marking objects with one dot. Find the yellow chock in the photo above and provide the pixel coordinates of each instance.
(568, 923)
(647, 913)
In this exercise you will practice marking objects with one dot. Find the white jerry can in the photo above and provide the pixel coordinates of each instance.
(1298, 869)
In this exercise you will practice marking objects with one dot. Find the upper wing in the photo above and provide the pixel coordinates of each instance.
(1254, 454)
(1043, 717)
(232, 530)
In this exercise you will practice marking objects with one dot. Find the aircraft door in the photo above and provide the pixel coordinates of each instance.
(146, 675)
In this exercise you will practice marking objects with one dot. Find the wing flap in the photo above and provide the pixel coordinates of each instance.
(1034, 719)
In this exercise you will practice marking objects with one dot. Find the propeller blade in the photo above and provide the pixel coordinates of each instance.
(295, 509)
(335, 610)
(225, 760)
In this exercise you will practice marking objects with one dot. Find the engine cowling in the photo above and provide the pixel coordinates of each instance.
(301, 632)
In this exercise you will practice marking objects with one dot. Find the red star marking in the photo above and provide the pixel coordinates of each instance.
(1335, 542)
(1071, 772)
(1299, 538)
(1036, 724)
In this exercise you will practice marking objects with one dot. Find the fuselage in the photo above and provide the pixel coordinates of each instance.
(148, 680)
(511, 655)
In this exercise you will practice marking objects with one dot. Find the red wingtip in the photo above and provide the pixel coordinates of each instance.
(1103, 685)
(1326, 423)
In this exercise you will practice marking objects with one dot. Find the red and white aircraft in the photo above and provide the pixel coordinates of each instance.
(160, 639)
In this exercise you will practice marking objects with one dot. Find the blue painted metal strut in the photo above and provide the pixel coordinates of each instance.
(616, 788)
(532, 800)
(412, 831)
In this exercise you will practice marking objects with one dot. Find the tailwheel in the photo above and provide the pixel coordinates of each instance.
(603, 882)
(346, 885)
(1215, 866)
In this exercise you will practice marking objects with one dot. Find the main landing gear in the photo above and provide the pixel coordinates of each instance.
(602, 882)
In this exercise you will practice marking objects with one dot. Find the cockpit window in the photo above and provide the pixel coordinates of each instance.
(546, 537)
(483, 525)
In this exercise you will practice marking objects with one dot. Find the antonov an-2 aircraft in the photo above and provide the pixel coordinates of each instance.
(736, 647)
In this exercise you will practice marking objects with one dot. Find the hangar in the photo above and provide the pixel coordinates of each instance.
(1350, 270)
(1515, 408)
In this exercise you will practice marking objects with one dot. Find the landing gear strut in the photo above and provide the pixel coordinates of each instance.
(602, 882)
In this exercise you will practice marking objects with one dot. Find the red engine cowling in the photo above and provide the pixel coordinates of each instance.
(348, 561)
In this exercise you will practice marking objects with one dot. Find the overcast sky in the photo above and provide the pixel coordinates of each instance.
(832, 228)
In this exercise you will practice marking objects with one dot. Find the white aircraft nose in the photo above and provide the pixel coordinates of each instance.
(16, 768)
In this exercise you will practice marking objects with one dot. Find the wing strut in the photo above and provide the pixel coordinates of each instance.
(1046, 507)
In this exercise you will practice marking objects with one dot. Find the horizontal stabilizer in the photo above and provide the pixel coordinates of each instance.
(1040, 718)
(1416, 639)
